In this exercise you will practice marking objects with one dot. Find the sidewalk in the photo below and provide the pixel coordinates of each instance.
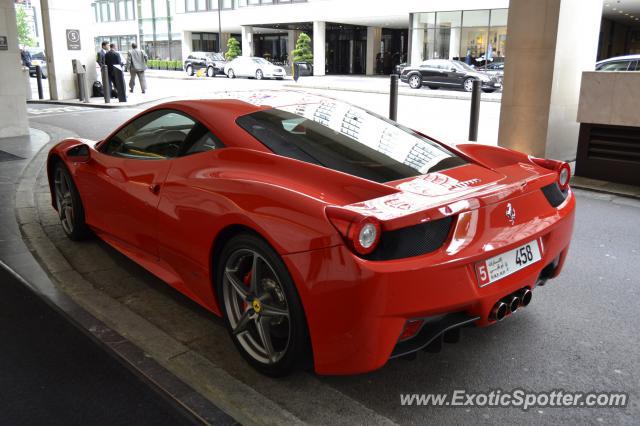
(606, 187)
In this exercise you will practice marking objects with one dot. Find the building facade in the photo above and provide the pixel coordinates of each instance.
(348, 36)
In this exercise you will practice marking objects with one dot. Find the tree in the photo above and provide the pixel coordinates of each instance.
(303, 51)
(24, 29)
(233, 49)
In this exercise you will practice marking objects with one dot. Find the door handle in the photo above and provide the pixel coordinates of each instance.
(154, 188)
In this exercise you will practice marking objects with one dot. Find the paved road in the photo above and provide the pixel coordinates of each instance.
(579, 333)
(443, 118)
(51, 373)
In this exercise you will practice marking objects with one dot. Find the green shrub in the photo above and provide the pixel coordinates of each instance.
(233, 49)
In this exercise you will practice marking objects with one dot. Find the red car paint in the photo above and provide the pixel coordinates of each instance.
(169, 215)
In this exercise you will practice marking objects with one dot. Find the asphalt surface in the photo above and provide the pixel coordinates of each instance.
(579, 333)
(52, 373)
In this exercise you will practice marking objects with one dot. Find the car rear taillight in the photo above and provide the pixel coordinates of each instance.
(563, 169)
(361, 233)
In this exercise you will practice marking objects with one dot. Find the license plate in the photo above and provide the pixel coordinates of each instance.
(505, 264)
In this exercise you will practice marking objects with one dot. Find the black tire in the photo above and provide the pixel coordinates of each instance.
(75, 228)
(279, 78)
(230, 73)
(297, 354)
(259, 74)
(433, 87)
(189, 70)
(467, 84)
(488, 90)
(211, 72)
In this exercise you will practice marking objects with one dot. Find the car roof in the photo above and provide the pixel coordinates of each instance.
(619, 58)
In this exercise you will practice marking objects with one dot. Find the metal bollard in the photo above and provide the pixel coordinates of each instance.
(475, 111)
(106, 84)
(393, 98)
(39, 81)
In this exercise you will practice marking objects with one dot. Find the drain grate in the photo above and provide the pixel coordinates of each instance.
(6, 156)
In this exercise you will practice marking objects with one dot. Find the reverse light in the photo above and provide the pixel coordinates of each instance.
(563, 169)
(361, 233)
(411, 328)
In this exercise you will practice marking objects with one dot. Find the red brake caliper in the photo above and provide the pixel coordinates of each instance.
(246, 280)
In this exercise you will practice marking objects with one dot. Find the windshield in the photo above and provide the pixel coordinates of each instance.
(463, 65)
(348, 139)
(261, 61)
(215, 56)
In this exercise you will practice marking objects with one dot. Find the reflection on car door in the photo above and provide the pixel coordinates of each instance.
(430, 72)
(121, 184)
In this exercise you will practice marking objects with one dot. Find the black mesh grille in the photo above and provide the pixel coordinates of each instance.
(554, 195)
(412, 241)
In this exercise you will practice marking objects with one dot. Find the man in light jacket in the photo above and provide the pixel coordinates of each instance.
(137, 63)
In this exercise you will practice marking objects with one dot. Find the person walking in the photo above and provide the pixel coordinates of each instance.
(111, 59)
(137, 64)
(25, 57)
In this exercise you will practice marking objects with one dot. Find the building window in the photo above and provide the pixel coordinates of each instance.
(253, 2)
(241, 3)
(227, 4)
(94, 7)
(472, 36)
(190, 6)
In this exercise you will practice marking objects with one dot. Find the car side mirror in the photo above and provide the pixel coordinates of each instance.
(453, 70)
(79, 154)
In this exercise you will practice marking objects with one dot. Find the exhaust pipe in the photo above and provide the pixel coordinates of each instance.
(513, 302)
(499, 311)
(525, 296)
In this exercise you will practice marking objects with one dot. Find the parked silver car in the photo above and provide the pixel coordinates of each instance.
(619, 63)
(251, 66)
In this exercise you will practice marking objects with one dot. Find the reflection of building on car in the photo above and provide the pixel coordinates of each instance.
(436, 73)
(258, 68)
(38, 58)
(213, 63)
(619, 63)
(322, 233)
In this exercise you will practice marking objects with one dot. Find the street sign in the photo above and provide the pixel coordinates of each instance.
(3, 43)
(73, 39)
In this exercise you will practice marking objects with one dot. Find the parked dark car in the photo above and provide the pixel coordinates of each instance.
(38, 58)
(436, 73)
(400, 67)
(619, 63)
(212, 62)
(495, 69)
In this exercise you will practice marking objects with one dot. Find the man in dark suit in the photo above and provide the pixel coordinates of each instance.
(111, 59)
(101, 53)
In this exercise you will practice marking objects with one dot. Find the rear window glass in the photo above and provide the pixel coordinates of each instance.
(348, 139)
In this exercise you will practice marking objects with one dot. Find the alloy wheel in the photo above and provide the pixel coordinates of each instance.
(415, 82)
(256, 306)
(210, 72)
(230, 73)
(64, 200)
(259, 75)
(468, 85)
(189, 70)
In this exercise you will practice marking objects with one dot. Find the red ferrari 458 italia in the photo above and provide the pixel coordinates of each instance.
(323, 234)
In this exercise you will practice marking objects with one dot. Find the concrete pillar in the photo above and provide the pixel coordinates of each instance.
(319, 36)
(187, 44)
(247, 40)
(224, 39)
(13, 107)
(542, 74)
(454, 42)
(417, 41)
(374, 36)
(58, 16)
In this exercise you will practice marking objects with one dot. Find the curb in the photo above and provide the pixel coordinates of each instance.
(90, 105)
(386, 92)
